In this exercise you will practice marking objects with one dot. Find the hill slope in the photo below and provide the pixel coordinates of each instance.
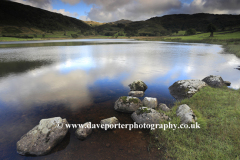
(197, 21)
(16, 14)
(168, 24)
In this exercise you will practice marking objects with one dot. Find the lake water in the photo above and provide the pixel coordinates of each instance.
(81, 79)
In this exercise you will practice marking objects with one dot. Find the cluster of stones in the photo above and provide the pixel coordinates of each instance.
(50, 132)
(142, 111)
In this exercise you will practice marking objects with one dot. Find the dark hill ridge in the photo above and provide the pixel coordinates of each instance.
(168, 24)
(20, 15)
(197, 21)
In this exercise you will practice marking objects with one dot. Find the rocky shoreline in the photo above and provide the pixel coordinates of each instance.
(47, 134)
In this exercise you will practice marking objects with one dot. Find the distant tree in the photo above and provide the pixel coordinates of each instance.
(116, 35)
(163, 32)
(109, 34)
(35, 36)
(211, 28)
(121, 34)
(190, 32)
(120, 25)
(74, 35)
(223, 28)
(128, 35)
(157, 33)
(65, 33)
(130, 31)
(43, 35)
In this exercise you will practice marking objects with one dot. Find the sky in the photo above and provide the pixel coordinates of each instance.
(135, 10)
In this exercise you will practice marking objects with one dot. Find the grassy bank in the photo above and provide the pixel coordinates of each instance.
(218, 112)
(230, 40)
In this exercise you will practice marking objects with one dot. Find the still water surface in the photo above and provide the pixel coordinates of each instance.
(80, 80)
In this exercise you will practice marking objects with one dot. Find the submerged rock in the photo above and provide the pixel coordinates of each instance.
(148, 116)
(127, 104)
(214, 81)
(136, 93)
(82, 133)
(186, 88)
(138, 86)
(109, 121)
(163, 107)
(150, 102)
(186, 114)
(43, 137)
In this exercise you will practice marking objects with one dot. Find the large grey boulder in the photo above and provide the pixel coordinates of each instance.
(84, 131)
(43, 137)
(136, 93)
(109, 122)
(138, 85)
(186, 88)
(127, 104)
(150, 102)
(186, 114)
(214, 81)
(148, 116)
(163, 107)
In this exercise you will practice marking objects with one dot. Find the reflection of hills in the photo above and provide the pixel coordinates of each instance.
(19, 66)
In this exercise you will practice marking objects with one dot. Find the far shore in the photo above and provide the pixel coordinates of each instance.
(230, 41)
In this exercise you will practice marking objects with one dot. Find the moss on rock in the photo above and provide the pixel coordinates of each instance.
(125, 99)
(142, 110)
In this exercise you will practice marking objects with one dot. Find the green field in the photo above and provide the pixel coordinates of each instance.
(230, 41)
(218, 112)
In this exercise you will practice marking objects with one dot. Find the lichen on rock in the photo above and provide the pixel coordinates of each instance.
(42, 138)
(127, 104)
(186, 88)
(138, 85)
(148, 116)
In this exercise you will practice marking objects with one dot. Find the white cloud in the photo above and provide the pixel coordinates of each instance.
(210, 6)
(112, 10)
(72, 2)
(106, 11)
(84, 18)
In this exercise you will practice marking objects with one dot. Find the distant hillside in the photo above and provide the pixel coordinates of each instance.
(122, 21)
(168, 24)
(197, 21)
(93, 23)
(16, 14)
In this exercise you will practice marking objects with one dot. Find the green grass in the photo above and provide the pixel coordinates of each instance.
(12, 30)
(218, 112)
(233, 49)
(217, 36)
(180, 33)
(230, 41)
